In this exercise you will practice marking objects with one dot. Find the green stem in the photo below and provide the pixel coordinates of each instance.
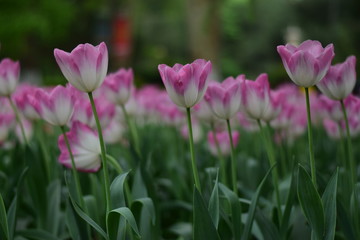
(220, 155)
(192, 153)
(18, 119)
(349, 146)
(342, 147)
(310, 138)
(44, 149)
(133, 131)
(233, 161)
(73, 168)
(283, 163)
(275, 175)
(103, 155)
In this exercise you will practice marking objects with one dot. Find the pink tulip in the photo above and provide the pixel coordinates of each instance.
(224, 142)
(307, 64)
(113, 133)
(9, 76)
(186, 85)
(197, 131)
(85, 67)
(204, 113)
(119, 86)
(85, 147)
(28, 103)
(224, 98)
(28, 130)
(6, 124)
(340, 80)
(56, 106)
(332, 109)
(256, 100)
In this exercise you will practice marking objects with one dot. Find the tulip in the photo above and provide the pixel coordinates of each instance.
(28, 103)
(340, 80)
(224, 142)
(28, 130)
(84, 67)
(197, 132)
(333, 110)
(6, 123)
(85, 148)
(186, 85)
(307, 64)
(224, 98)
(119, 86)
(57, 106)
(9, 76)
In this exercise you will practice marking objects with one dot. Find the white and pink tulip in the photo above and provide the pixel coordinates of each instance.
(9, 76)
(119, 86)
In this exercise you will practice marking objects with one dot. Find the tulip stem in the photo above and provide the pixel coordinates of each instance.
(310, 138)
(73, 168)
(271, 157)
(191, 141)
(133, 130)
(233, 161)
(103, 154)
(349, 145)
(220, 155)
(18, 119)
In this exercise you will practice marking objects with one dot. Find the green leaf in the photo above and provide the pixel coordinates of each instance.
(267, 227)
(311, 204)
(144, 212)
(147, 204)
(289, 203)
(214, 202)
(203, 224)
(3, 219)
(117, 191)
(236, 211)
(254, 201)
(53, 193)
(37, 234)
(329, 201)
(113, 220)
(71, 223)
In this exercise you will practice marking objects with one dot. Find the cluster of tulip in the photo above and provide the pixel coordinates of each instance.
(99, 108)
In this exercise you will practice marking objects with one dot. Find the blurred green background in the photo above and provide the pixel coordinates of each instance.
(238, 36)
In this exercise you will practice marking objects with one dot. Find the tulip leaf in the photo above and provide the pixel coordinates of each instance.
(235, 207)
(288, 206)
(254, 201)
(53, 193)
(113, 219)
(329, 201)
(3, 219)
(203, 224)
(267, 227)
(311, 204)
(71, 222)
(117, 191)
(37, 234)
(144, 211)
(214, 202)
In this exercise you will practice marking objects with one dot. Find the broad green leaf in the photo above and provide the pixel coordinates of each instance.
(147, 204)
(113, 220)
(144, 212)
(3, 219)
(236, 211)
(214, 202)
(289, 203)
(203, 224)
(71, 223)
(344, 222)
(254, 201)
(117, 191)
(53, 193)
(329, 201)
(267, 227)
(311, 203)
(37, 234)
(92, 207)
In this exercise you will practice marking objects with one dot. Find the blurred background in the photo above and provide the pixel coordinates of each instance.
(238, 36)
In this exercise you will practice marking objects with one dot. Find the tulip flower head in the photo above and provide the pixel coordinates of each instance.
(28, 103)
(6, 123)
(119, 85)
(56, 106)
(340, 80)
(256, 99)
(186, 85)
(85, 148)
(224, 142)
(307, 64)
(84, 67)
(224, 98)
(9, 76)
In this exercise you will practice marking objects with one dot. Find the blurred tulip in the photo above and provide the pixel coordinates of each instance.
(307, 64)
(186, 85)
(28, 103)
(85, 67)
(9, 76)
(340, 80)
(119, 86)
(6, 124)
(224, 142)
(85, 147)
(224, 98)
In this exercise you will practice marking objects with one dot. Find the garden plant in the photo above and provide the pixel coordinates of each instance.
(202, 159)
